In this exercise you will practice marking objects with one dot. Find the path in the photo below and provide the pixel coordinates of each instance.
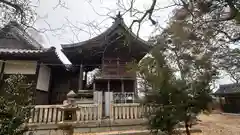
(219, 124)
(214, 124)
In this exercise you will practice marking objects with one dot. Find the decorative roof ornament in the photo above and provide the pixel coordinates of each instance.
(118, 17)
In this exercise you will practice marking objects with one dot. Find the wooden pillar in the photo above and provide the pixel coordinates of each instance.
(118, 67)
(2, 72)
(37, 70)
(221, 103)
(80, 81)
(135, 87)
(85, 75)
(123, 94)
(122, 86)
(36, 79)
(108, 86)
(135, 92)
(94, 86)
(50, 88)
(85, 79)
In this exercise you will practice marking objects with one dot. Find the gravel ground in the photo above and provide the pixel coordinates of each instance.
(219, 124)
(214, 124)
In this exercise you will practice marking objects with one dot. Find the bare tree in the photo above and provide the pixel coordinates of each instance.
(20, 11)
(230, 63)
(224, 13)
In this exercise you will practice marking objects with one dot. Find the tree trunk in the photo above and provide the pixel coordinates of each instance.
(187, 128)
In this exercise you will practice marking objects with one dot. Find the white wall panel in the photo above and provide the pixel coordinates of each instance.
(20, 67)
(43, 78)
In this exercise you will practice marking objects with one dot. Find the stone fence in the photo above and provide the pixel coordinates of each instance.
(84, 113)
(54, 114)
(42, 114)
(126, 111)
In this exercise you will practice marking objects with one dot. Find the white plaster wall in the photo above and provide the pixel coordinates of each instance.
(20, 67)
(43, 78)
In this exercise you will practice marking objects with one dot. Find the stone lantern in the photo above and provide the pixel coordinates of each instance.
(69, 108)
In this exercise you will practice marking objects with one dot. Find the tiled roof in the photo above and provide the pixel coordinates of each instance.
(16, 31)
(228, 89)
(98, 40)
(29, 53)
(20, 51)
(46, 55)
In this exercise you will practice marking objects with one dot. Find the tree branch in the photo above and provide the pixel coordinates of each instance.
(149, 12)
(235, 39)
(17, 7)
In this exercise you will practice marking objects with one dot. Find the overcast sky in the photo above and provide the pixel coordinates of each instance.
(80, 12)
(67, 24)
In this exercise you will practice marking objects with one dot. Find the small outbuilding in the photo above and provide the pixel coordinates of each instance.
(229, 97)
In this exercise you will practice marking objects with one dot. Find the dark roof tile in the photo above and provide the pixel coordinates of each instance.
(13, 33)
(228, 89)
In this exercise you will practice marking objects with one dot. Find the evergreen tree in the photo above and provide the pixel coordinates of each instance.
(179, 71)
(165, 96)
(15, 104)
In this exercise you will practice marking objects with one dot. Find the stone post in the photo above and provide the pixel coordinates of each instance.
(80, 83)
(108, 85)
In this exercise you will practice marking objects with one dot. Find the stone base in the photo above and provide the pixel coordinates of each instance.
(80, 97)
(84, 101)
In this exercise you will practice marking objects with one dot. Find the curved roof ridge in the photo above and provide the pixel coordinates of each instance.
(67, 66)
(107, 31)
(22, 32)
(134, 35)
(118, 21)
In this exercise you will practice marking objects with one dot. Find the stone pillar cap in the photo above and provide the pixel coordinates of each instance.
(71, 94)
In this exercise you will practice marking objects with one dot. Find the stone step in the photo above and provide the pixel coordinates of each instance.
(127, 132)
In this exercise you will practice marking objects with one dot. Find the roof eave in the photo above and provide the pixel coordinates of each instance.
(118, 23)
(7, 53)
